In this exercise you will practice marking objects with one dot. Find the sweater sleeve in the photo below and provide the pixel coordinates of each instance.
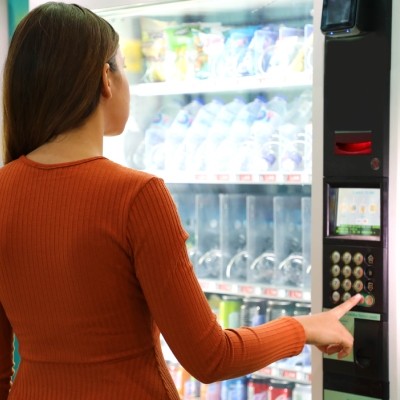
(6, 355)
(180, 308)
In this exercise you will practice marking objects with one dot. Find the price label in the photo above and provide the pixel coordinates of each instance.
(245, 178)
(292, 178)
(268, 178)
(247, 289)
(295, 294)
(222, 178)
(270, 292)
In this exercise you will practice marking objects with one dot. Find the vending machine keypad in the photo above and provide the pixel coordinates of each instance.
(352, 273)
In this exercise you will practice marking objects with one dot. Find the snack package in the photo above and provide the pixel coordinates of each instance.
(154, 48)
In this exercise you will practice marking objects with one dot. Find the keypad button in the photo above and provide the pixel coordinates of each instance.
(358, 272)
(369, 300)
(358, 258)
(335, 257)
(370, 259)
(346, 285)
(346, 257)
(370, 286)
(346, 296)
(358, 286)
(335, 297)
(335, 284)
(346, 271)
(335, 270)
(369, 272)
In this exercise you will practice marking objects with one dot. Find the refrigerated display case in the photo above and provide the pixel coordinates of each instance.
(221, 109)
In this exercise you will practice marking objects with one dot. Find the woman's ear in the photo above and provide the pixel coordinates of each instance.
(106, 84)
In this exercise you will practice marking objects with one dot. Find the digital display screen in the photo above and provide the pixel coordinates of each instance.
(355, 212)
(338, 15)
(338, 12)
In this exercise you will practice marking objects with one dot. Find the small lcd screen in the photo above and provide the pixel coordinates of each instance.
(338, 14)
(355, 212)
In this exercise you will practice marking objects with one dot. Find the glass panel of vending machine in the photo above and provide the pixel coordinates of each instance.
(221, 109)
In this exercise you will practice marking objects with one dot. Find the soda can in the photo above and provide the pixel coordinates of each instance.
(179, 376)
(302, 309)
(302, 392)
(253, 312)
(280, 308)
(280, 390)
(257, 388)
(234, 389)
(191, 388)
(211, 391)
(229, 311)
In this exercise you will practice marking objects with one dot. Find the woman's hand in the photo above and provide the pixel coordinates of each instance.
(325, 331)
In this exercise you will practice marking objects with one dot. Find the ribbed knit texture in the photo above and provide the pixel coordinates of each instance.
(93, 263)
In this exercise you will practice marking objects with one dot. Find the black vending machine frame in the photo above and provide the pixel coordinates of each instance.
(357, 66)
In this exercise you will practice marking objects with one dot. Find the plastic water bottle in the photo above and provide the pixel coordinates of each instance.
(292, 133)
(236, 44)
(207, 155)
(300, 110)
(235, 152)
(198, 131)
(154, 137)
(262, 40)
(265, 133)
(175, 135)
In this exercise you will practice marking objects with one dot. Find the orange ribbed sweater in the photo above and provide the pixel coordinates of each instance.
(93, 265)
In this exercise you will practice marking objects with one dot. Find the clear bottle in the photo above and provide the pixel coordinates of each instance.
(235, 152)
(197, 132)
(292, 134)
(207, 155)
(175, 135)
(264, 131)
(302, 392)
(154, 137)
(262, 40)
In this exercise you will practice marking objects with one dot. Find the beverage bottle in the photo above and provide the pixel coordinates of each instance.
(302, 392)
(265, 135)
(154, 137)
(198, 131)
(300, 110)
(292, 133)
(235, 152)
(236, 44)
(207, 154)
(175, 135)
(252, 63)
(133, 145)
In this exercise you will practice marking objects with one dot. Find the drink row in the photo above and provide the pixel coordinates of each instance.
(245, 388)
(236, 136)
(258, 239)
(233, 312)
(184, 51)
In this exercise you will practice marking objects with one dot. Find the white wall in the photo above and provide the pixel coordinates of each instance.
(394, 216)
(3, 53)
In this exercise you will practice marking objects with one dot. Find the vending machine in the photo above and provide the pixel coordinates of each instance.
(356, 190)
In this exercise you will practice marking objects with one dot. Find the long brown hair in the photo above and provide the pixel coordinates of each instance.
(52, 74)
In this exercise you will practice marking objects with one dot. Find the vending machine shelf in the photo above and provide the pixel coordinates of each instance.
(248, 289)
(292, 81)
